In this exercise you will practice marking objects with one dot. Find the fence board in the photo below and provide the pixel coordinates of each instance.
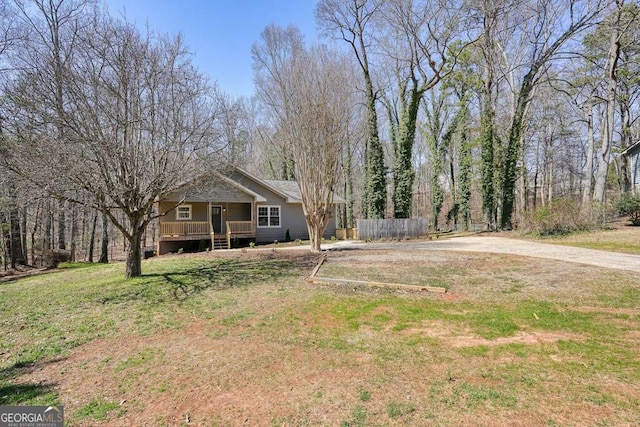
(392, 228)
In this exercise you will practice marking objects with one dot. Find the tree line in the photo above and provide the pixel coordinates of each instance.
(473, 112)
(470, 113)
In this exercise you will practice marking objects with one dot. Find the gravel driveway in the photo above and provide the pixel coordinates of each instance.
(504, 245)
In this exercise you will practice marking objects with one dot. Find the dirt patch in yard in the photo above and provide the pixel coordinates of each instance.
(171, 378)
(611, 310)
(529, 338)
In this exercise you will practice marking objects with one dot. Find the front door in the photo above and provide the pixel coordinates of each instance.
(216, 219)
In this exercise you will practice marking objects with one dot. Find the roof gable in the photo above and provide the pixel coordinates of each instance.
(233, 181)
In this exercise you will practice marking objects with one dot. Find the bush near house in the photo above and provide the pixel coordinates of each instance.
(629, 206)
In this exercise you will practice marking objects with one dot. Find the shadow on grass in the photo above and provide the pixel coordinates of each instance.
(22, 367)
(184, 283)
(13, 392)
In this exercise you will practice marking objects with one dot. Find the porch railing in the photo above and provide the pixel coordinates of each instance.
(184, 228)
(241, 227)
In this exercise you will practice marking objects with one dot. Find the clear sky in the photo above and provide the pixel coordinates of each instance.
(220, 33)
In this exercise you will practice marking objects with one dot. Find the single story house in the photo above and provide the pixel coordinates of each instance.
(633, 154)
(233, 206)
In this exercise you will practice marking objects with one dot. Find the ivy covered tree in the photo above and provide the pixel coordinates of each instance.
(354, 21)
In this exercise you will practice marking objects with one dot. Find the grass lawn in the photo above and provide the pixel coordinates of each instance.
(243, 339)
(621, 238)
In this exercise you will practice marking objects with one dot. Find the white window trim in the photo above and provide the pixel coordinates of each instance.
(190, 212)
(268, 216)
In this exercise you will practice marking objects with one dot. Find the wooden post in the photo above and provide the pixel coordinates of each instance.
(377, 284)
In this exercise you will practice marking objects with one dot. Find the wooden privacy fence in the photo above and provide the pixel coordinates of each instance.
(392, 228)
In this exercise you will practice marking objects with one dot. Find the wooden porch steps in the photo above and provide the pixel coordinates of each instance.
(220, 243)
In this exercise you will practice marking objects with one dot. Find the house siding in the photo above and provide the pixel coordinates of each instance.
(199, 211)
(240, 206)
(291, 218)
(221, 192)
(238, 212)
(291, 214)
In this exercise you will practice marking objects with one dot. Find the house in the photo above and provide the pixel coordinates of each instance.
(234, 206)
(633, 154)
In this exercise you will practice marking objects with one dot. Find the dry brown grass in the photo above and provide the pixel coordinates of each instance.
(620, 238)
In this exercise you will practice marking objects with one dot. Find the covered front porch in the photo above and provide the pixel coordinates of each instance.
(213, 224)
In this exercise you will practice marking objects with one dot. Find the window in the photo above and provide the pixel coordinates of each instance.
(268, 216)
(183, 213)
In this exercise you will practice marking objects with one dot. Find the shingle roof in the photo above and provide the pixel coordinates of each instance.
(291, 190)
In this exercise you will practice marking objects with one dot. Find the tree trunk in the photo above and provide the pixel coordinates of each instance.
(47, 238)
(435, 149)
(550, 183)
(134, 264)
(465, 167)
(92, 239)
(34, 230)
(23, 234)
(315, 237)
(74, 232)
(375, 192)
(62, 225)
(627, 141)
(588, 173)
(487, 120)
(605, 150)
(348, 187)
(104, 253)
(513, 149)
(403, 174)
(4, 242)
(523, 182)
(15, 241)
(13, 217)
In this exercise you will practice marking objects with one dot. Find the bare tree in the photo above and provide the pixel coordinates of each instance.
(53, 27)
(312, 112)
(139, 121)
(617, 26)
(10, 233)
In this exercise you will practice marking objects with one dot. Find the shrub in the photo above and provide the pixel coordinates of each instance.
(287, 236)
(56, 256)
(629, 206)
(562, 216)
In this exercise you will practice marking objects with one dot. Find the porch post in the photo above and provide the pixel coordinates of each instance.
(211, 233)
(225, 217)
(253, 220)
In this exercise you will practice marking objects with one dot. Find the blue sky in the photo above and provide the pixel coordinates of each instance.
(220, 33)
